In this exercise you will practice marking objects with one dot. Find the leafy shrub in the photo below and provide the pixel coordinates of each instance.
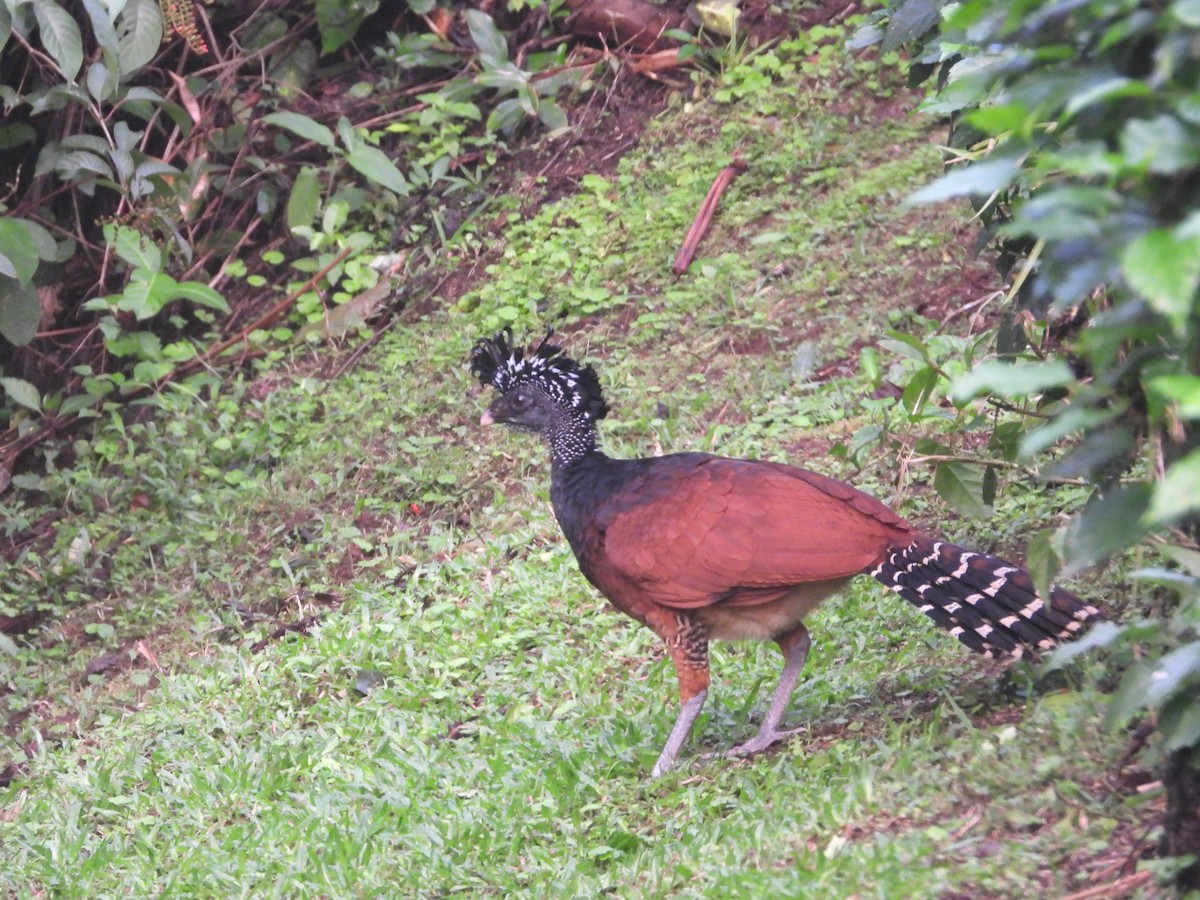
(145, 182)
(1076, 134)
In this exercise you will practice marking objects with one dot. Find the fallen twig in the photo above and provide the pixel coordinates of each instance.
(703, 218)
(1122, 887)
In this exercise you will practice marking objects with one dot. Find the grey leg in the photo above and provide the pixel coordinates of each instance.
(795, 651)
(688, 712)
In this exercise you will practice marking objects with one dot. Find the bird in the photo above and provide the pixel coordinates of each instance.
(700, 547)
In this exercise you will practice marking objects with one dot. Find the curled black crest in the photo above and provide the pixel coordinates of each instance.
(502, 364)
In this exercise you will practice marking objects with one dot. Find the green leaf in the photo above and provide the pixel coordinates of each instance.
(1186, 12)
(1162, 144)
(304, 199)
(506, 116)
(338, 21)
(20, 311)
(906, 345)
(486, 35)
(76, 403)
(22, 392)
(1165, 269)
(16, 134)
(1075, 418)
(60, 36)
(81, 165)
(1102, 634)
(147, 293)
(309, 129)
(374, 164)
(1011, 381)
(101, 83)
(1108, 89)
(1151, 683)
(974, 179)
(911, 20)
(5, 24)
(1180, 392)
(962, 486)
(1094, 455)
(1179, 722)
(19, 248)
(140, 27)
(552, 115)
(140, 252)
(1178, 493)
(1109, 523)
(919, 389)
(1001, 118)
(202, 294)
(105, 33)
(1042, 559)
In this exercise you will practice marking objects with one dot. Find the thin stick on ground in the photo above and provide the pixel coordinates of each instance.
(704, 218)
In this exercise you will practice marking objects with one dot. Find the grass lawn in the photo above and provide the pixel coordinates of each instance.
(320, 636)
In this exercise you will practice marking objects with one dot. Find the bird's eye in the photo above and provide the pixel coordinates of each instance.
(521, 399)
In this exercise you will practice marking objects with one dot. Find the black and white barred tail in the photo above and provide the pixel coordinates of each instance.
(988, 604)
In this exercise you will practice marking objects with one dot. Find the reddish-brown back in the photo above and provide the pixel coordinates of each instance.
(691, 530)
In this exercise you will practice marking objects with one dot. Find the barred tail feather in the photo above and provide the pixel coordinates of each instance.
(988, 604)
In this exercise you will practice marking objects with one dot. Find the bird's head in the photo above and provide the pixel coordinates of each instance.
(542, 390)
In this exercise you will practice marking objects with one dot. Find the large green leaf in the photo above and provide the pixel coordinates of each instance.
(1164, 267)
(147, 293)
(304, 199)
(911, 20)
(963, 486)
(1075, 418)
(1102, 634)
(486, 35)
(140, 27)
(60, 36)
(1042, 559)
(104, 31)
(202, 294)
(1152, 683)
(919, 389)
(18, 247)
(374, 164)
(552, 115)
(1179, 721)
(5, 24)
(1162, 144)
(1011, 381)
(1095, 455)
(974, 179)
(81, 166)
(20, 311)
(15, 134)
(1109, 523)
(305, 127)
(338, 21)
(22, 392)
(1180, 392)
(140, 252)
(1178, 494)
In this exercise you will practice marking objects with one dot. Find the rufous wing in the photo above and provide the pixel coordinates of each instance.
(698, 530)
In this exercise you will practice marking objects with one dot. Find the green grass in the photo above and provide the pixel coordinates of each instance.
(465, 715)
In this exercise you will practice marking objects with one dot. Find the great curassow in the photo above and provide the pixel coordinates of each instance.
(700, 547)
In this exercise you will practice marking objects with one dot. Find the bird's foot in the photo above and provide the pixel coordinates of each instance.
(762, 741)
